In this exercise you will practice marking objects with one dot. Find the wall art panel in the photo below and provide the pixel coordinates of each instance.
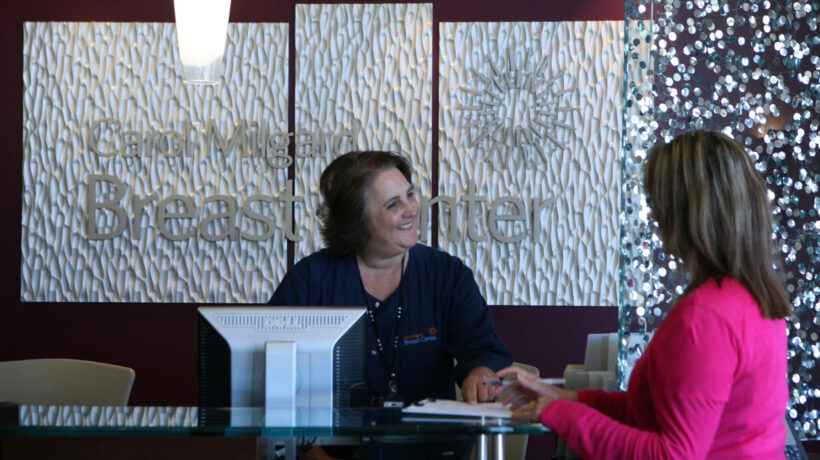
(139, 188)
(530, 135)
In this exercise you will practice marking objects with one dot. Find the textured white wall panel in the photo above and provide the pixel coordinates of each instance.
(109, 416)
(533, 111)
(530, 114)
(76, 74)
(366, 70)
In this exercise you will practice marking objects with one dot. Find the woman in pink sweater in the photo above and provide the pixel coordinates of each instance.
(712, 382)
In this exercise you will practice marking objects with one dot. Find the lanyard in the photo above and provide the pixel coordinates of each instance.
(391, 365)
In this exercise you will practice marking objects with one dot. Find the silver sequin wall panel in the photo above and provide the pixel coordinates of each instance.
(530, 124)
(106, 115)
(752, 71)
(363, 80)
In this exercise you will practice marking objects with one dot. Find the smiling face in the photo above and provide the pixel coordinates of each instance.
(392, 211)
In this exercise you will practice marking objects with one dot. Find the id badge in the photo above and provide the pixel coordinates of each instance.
(392, 399)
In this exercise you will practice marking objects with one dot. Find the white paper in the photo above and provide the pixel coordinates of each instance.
(459, 408)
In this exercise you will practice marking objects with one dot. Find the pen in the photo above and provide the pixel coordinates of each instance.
(506, 383)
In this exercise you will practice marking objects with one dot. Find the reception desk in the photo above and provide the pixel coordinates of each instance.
(193, 432)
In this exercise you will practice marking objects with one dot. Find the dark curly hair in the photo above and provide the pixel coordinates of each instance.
(345, 187)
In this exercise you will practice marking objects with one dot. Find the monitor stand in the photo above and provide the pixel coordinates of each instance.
(280, 383)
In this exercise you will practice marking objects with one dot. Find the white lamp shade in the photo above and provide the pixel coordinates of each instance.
(202, 27)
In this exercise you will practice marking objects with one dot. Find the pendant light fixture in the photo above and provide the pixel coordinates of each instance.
(202, 29)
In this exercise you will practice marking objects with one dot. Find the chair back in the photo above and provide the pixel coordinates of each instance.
(794, 448)
(65, 382)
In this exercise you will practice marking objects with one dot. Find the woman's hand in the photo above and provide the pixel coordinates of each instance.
(532, 409)
(528, 397)
(473, 388)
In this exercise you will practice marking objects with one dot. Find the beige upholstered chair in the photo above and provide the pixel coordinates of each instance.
(600, 368)
(65, 382)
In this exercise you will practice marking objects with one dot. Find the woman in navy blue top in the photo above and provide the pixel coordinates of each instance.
(424, 306)
(443, 316)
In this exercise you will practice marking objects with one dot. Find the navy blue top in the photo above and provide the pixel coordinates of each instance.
(444, 316)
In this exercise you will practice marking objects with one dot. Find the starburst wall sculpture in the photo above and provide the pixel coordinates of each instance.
(517, 109)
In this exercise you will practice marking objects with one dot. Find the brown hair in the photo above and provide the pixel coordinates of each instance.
(712, 210)
(345, 186)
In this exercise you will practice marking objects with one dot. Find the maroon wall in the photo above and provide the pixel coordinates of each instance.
(159, 340)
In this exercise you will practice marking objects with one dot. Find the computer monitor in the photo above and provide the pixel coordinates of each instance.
(299, 363)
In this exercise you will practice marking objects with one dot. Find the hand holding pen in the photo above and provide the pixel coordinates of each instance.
(529, 394)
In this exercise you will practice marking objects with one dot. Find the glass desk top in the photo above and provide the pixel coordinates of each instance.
(32, 420)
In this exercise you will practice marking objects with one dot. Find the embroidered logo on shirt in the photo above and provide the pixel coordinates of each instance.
(413, 339)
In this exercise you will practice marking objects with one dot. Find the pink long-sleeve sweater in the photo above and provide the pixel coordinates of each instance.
(711, 384)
